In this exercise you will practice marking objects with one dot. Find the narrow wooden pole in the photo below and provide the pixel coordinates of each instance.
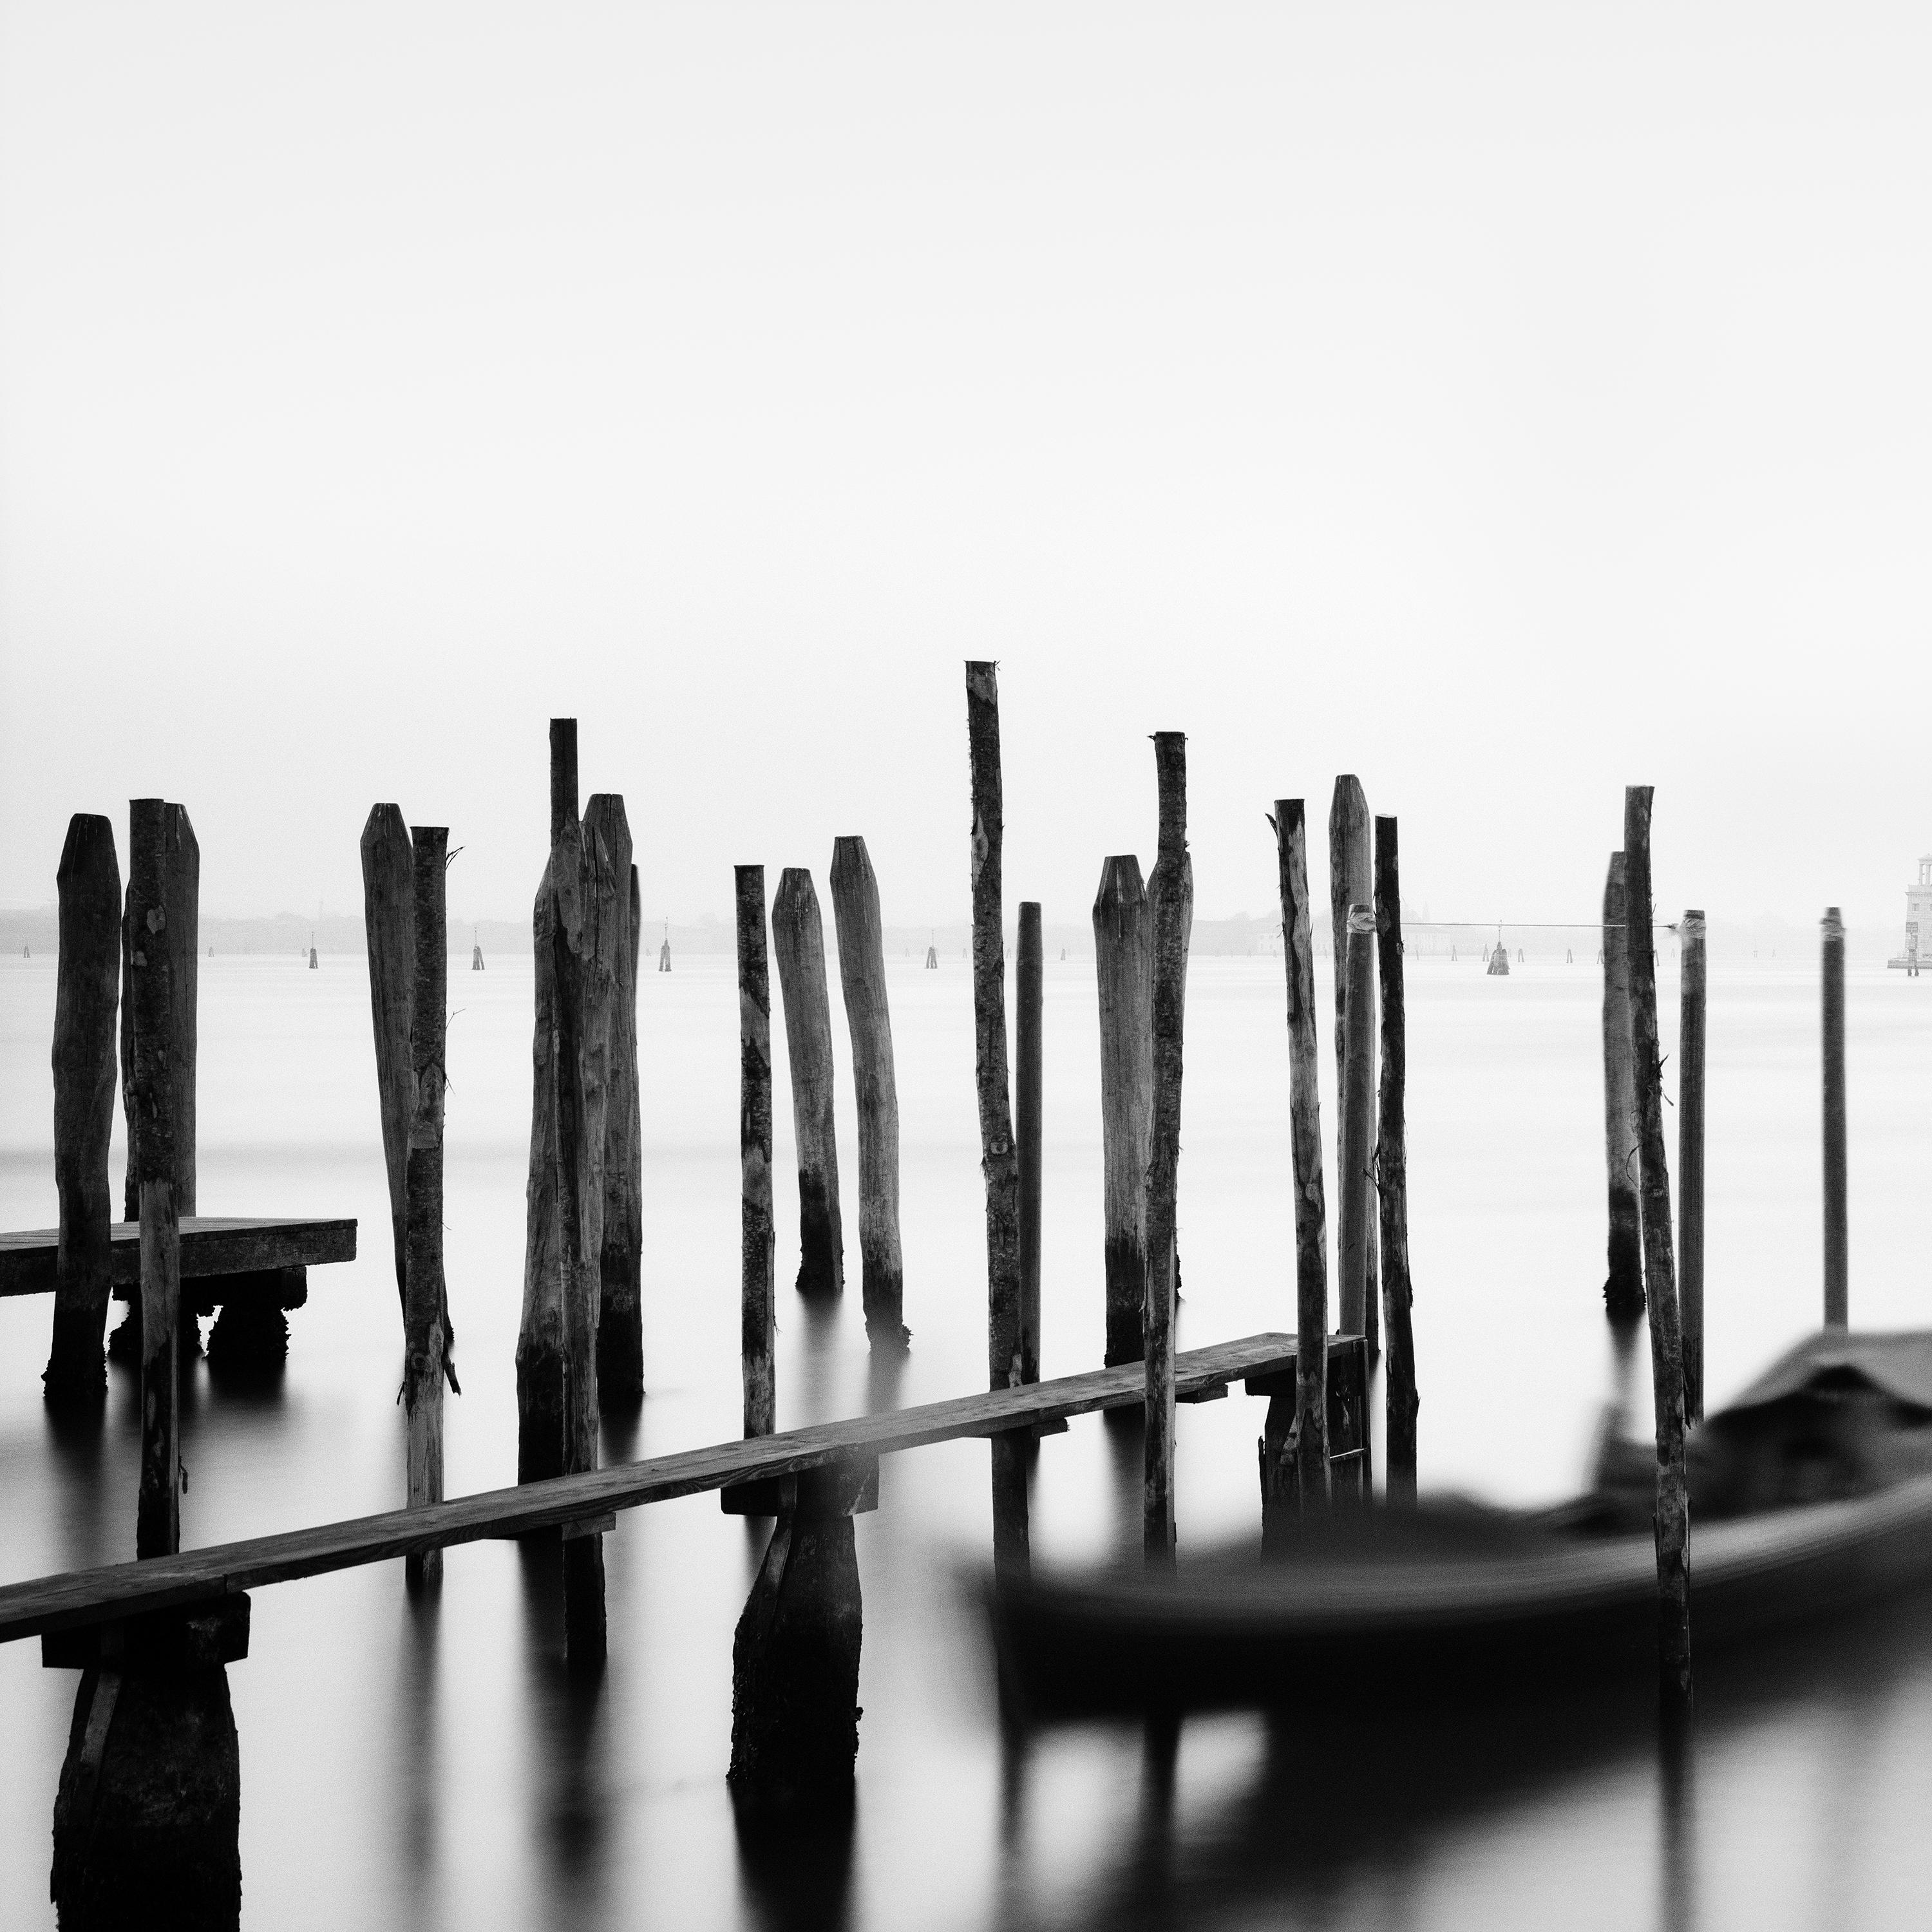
(563, 775)
(1666, 1344)
(798, 944)
(1029, 1073)
(1352, 883)
(1355, 1174)
(1173, 897)
(1690, 1160)
(756, 1299)
(1123, 958)
(1838, 1229)
(620, 1332)
(999, 1158)
(1401, 1402)
(87, 992)
(1623, 1286)
(1299, 1478)
(157, 1523)
(388, 925)
(181, 915)
(540, 1333)
(862, 975)
(425, 1294)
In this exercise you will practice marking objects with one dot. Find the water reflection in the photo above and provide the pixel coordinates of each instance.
(417, 1773)
(795, 1878)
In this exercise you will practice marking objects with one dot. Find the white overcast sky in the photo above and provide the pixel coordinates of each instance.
(1503, 402)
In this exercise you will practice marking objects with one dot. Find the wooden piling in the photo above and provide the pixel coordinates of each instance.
(1623, 1286)
(1837, 1230)
(999, 1157)
(388, 924)
(798, 944)
(1690, 1160)
(1355, 1175)
(1172, 897)
(1123, 958)
(1391, 1162)
(620, 1331)
(182, 873)
(152, 853)
(563, 793)
(861, 977)
(1666, 1343)
(757, 1260)
(1029, 1073)
(1352, 883)
(87, 992)
(424, 1338)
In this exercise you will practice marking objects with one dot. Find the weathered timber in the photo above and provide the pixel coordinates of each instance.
(1354, 1176)
(1690, 1159)
(758, 1316)
(152, 855)
(798, 944)
(1123, 959)
(211, 1246)
(87, 992)
(1401, 1402)
(1352, 883)
(116, 1591)
(1623, 1286)
(388, 925)
(182, 925)
(620, 1332)
(1667, 1342)
(862, 976)
(1029, 1073)
(1172, 897)
(1837, 1228)
(999, 1157)
(563, 793)
(540, 1332)
(1299, 1478)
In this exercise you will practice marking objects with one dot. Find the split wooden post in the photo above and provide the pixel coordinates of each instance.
(1690, 1159)
(862, 976)
(87, 992)
(999, 1157)
(1666, 1344)
(757, 1298)
(1837, 1229)
(151, 856)
(798, 942)
(1173, 902)
(389, 922)
(1123, 958)
(1391, 1163)
(1029, 1073)
(1355, 1176)
(1623, 1286)
(620, 1332)
(1352, 883)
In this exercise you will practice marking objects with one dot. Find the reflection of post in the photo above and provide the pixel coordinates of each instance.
(1838, 1239)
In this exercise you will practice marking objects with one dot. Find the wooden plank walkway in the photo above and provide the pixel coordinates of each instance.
(121, 1590)
(210, 1245)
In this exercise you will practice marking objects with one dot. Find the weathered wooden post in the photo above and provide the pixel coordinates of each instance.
(862, 975)
(798, 942)
(388, 920)
(1623, 1286)
(1391, 1161)
(182, 916)
(1666, 1343)
(1355, 1174)
(87, 992)
(1173, 903)
(757, 1298)
(1029, 1074)
(1352, 883)
(1123, 959)
(563, 787)
(620, 1332)
(1690, 1160)
(999, 1157)
(1837, 1232)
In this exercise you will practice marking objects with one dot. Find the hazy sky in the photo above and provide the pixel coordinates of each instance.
(1504, 402)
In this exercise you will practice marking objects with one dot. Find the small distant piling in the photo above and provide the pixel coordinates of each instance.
(862, 978)
(663, 955)
(1837, 1234)
(1351, 882)
(756, 1245)
(1029, 1073)
(1391, 1162)
(932, 959)
(314, 961)
(1690, 1159)
(476, 957)
(1623, 1286)
(1123, 959)
(798, 944)
(388, 920)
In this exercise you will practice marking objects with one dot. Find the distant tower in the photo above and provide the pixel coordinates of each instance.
(1918, 916)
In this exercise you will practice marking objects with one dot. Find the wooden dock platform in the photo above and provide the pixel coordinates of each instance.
(210, 1245)
(119, 1591)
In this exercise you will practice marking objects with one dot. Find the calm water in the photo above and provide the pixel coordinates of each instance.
(434, 1766)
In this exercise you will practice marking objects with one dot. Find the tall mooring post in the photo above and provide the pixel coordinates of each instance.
(1352, 883)
(1354, 1257)
(1838, 1231)
(757, 1301)
(1391, 1163)
(1690, 1158)
(1029, 1074)
(388, 919)
(798, 945)
(1123, 960)
(1623, 1286)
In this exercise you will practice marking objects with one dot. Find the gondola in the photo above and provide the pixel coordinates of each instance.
(1810, 1493)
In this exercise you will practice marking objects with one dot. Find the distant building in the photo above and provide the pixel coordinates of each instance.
(1918, 918)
